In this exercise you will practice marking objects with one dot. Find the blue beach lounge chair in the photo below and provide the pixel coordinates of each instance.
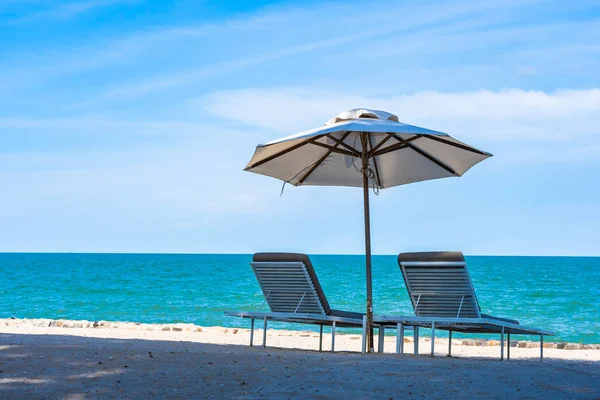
(294, 294)
(443, 297)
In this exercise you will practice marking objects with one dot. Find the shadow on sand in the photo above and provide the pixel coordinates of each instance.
(72, 367)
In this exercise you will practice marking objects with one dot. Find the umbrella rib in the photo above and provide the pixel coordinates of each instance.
(424, 154)
(374, 149)
(375, 163)
(316, 165)
(460, 146)
(333, 149)
(341, 142)
(282, 152)
(432, 159)
(402, 144)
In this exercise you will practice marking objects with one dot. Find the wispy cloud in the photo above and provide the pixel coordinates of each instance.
(379, 32)
(83, 123)
(65, 10)
(383, 45)
(183, 180)
(570, 154)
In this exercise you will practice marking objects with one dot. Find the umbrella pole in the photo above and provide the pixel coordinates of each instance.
(365, 168)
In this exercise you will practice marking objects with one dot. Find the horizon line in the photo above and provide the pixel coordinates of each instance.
(245, 254)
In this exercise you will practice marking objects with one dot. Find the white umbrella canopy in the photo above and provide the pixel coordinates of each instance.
(362, 148)
(331, 154)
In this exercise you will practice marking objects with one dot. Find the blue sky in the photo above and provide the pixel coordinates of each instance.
(125, 124)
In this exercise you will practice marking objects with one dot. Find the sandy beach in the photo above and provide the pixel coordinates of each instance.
(417, 174)
(58, 359)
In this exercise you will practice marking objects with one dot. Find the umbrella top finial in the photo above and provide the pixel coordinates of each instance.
(358, 113)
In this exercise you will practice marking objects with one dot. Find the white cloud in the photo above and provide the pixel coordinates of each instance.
(560, 125)
(291, 109)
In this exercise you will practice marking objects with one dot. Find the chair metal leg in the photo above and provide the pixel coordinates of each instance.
(542, 347)
(321, 339)
(381, 338)
(449, 343)
(265, 334)
(364, 334)
(508, 346)
(333, 337)
(252, 332)
(432, 337)
(399, 338)
(416, 337)
(502, 344)
(402, 333)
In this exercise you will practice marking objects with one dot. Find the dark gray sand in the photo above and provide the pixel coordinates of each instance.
(71, 367)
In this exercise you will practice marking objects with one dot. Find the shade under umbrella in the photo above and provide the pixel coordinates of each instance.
(363, 148)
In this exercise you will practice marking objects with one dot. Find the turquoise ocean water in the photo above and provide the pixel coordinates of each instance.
(557, 293)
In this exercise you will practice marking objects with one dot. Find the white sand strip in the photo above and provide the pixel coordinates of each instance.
(296, 339)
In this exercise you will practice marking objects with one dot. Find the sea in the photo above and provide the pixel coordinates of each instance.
(561, 294)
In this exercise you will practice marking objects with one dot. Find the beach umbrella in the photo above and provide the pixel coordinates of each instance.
(369, 149)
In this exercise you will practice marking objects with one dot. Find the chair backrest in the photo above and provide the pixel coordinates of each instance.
(439, 285)
(289, 283)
